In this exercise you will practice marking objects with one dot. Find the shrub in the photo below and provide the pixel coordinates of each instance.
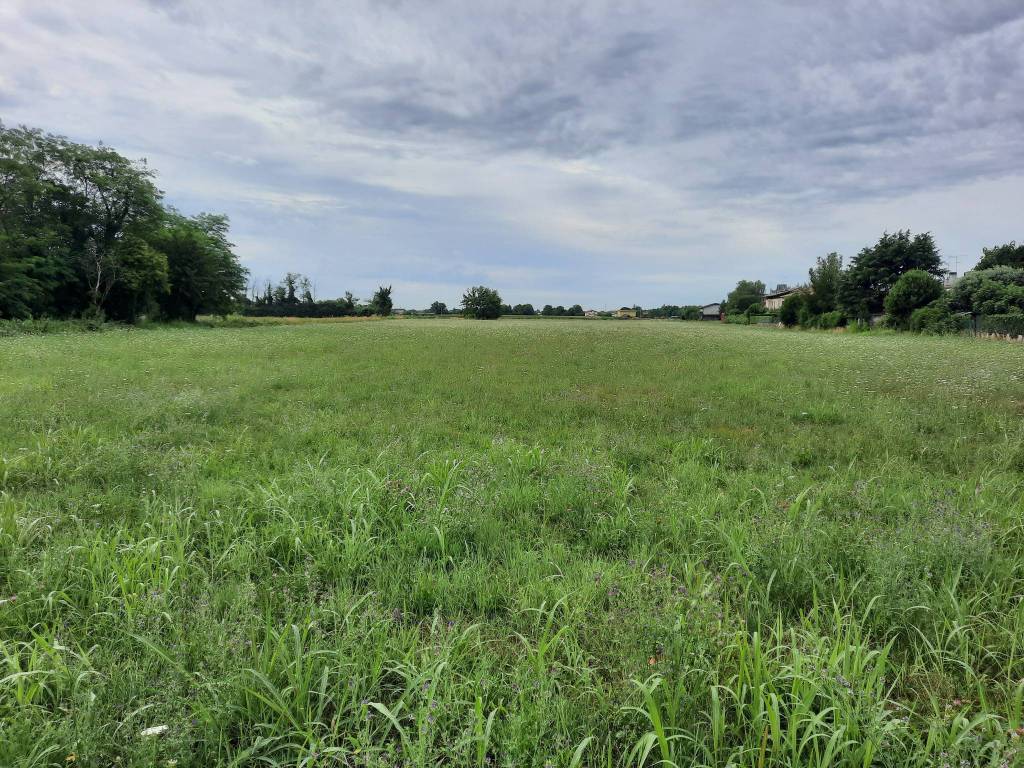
(789, 312)
(914, 289)
(996, 291)
(936, 318)
(1012, 324)
(829, 320)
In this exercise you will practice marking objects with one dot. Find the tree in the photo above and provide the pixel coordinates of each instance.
(875, 270)
(203, 272)
(548, 310)
(792, 305)
(482, 303)
(744, 295)
(995, 291)
(1007, 255)
(381, 301)
(439, 308)
(825, 277)
(913, 290)
(306, 286)
(141, 280)
(575, 311)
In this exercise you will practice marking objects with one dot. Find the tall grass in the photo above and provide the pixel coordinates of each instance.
(514, 543)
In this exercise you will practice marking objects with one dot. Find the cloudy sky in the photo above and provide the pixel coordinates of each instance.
(604, 153)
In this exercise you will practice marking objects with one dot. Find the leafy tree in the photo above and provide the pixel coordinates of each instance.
(36, 266)
(575, 311)
(1007, 255)
(789, 312)
(548, 310)
(439, 308)
(744, 295)
(482, 303)
(523, 309)
(203, 272)
(875, 270)
(825, 278)
(141, 280)
(913, 290)
(995, 291)
(381, 301)
(291, 285)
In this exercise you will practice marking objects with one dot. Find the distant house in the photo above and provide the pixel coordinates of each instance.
(711, 311)
(624, 312)
(773, 301)
(590, 313)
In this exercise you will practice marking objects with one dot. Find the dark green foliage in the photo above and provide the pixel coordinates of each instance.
(1012, 325)
(1007, 255)
(913, 289)
(994, 291)
(523, 309)
(936, 318)
(789, 312)
(482, 303)
(381, 302)
(875, 270)
(82, 231)
(204, 274)
(141, 280)
(746, 294)
(825, 278)
(439, 308)
(829, 320)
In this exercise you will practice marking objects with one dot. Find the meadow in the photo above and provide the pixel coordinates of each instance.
(510, 543)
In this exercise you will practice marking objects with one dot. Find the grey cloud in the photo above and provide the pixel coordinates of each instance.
(579, 127)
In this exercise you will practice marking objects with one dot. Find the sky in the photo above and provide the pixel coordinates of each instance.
(601, 153)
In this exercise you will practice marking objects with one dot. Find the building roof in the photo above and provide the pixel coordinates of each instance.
(712, 304)
(781, 294)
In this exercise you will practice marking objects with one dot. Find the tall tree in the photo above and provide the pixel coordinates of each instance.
(481, 302)
(204, 274)
(874, 270)
(825, 278)
(1007, 255)
(381, 302)
(746, 294)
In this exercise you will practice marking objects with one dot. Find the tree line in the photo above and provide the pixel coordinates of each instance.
(84, 233)
(293, 297)
(901, 280)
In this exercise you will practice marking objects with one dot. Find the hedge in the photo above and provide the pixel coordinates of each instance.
(1002, 324)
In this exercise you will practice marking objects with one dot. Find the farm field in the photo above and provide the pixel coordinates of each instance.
(510, 543)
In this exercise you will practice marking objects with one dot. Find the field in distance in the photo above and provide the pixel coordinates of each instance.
(510, 544)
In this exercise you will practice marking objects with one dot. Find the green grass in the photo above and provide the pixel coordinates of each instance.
(513, 543)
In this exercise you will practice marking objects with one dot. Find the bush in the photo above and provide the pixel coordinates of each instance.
(937, 318)
(914, 289)
(789, 312)
(995, 291)
(47, 325)
(828, 320)
(1012, 324)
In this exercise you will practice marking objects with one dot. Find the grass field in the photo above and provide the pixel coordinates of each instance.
(514, 543)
